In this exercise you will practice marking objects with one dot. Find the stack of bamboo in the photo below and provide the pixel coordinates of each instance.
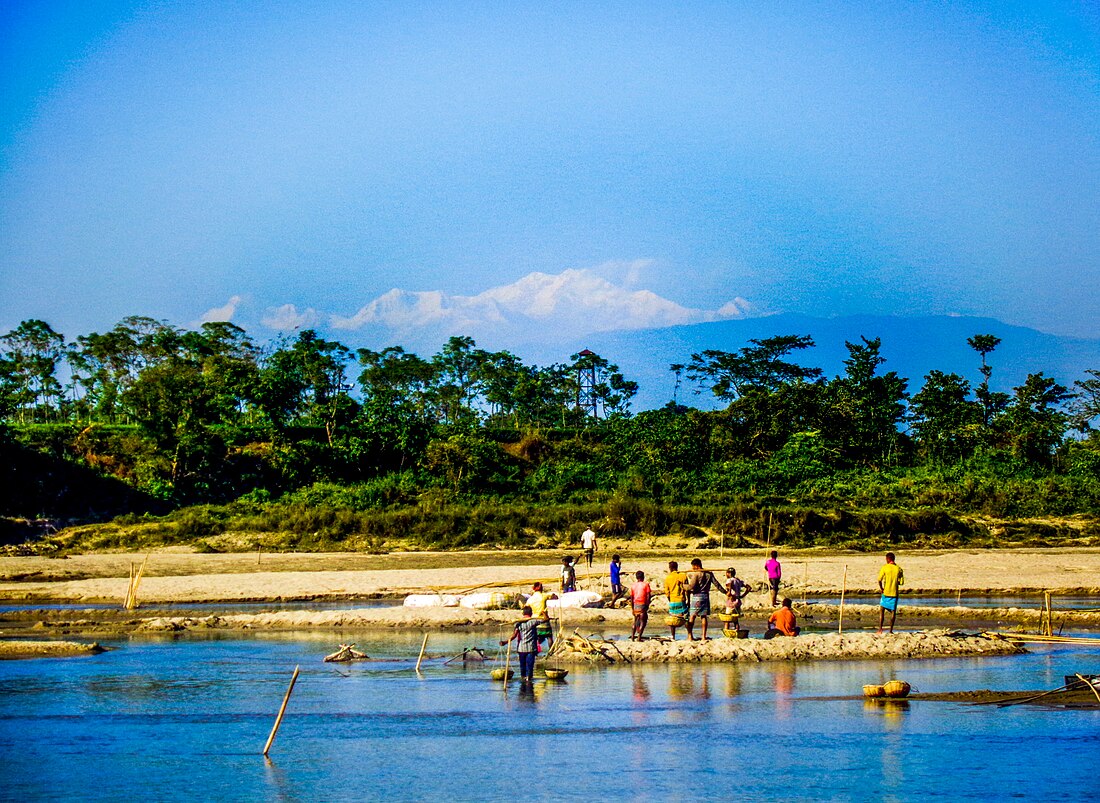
(136, 573)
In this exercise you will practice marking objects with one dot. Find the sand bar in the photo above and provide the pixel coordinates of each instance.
(20, 648)
(813, 647)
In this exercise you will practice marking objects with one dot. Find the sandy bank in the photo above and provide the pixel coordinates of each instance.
(175, 576)
(813, 647)
(46, 649)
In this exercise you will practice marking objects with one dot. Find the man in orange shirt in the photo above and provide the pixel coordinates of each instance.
(782, 622)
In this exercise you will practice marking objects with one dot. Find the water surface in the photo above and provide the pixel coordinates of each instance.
(186, 718)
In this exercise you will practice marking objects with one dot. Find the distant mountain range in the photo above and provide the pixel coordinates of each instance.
(912, 347)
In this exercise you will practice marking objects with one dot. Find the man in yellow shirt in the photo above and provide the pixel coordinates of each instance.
(890, 580)
(674, 588)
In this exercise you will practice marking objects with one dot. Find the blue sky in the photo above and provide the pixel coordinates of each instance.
(299, 160)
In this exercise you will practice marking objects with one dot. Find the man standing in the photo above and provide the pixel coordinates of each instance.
(640, 595)
(890, 580)
(615, 571)
(674, 589)
(699, 583)
(775, 574)
(588, 544)
(527, 644)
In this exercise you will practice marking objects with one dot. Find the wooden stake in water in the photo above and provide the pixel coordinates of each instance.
(421, 656)
(507, 660)
(843, 589)
(282, 710)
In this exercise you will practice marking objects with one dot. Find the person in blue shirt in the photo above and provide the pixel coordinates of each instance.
(617, 590)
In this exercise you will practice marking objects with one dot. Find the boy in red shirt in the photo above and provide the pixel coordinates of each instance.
(640, 596)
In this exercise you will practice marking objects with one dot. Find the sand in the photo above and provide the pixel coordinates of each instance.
(179, 576)
(19, 648)
(816, 647)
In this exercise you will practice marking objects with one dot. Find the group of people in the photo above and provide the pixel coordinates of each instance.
(688, 595)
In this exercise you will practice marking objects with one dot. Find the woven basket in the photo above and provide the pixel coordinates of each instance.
(498, 674)
(874, 691)
(727, 617)
(555, 674)
(675, 621)
(897, 688)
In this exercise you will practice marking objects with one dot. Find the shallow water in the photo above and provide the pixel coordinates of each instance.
(186, 718)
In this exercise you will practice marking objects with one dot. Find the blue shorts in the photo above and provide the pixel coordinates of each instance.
(889, 603)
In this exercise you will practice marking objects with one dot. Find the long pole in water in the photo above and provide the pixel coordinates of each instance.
(507, 661)
(282, 710)
(843, 589)
(421, 656)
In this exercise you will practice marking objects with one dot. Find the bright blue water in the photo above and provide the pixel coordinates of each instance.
(186, 719)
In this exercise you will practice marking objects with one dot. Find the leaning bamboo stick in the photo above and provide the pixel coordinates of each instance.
(131, 601)
(843, 590)
(507, 661)
(422, 648)
(282, 710)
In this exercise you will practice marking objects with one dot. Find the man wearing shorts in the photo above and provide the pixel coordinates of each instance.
(640, 596)
(700, 583)
(890, 580)
(775, 574)
(674, 589)
(615, 573)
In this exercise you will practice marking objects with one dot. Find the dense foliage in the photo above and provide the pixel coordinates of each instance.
(186, 418)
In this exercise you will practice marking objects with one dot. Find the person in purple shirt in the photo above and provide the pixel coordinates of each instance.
(775, 573)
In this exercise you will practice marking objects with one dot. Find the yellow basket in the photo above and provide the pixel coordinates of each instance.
(675, 621)
(874, 691)
(897, 688)
(727, 617)
(729, 633)
(498, 674)
(553, 673)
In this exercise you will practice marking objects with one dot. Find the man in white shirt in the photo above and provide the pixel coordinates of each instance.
(588, 544)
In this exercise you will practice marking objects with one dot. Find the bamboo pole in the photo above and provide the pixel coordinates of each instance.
(282, 710)
(129, 588)
(843, 590)
(135, 581)
(421, 656)
(507, 661)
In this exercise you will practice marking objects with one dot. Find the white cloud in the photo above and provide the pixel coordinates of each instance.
(571, 303)
(288, 318)
(222, 313)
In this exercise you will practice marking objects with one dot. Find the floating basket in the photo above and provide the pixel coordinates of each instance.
(498, 674)
(727, 617)
(874, 691)
(897, 689)
(555, 674)
(675, 620)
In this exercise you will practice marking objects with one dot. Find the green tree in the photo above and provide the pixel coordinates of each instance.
(993, 403)
(762, 365)
(1034, 423)
(600, 388)
(947, 422)
(32, 353)
(865, 407)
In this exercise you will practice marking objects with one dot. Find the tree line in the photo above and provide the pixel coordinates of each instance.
(208, 414)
